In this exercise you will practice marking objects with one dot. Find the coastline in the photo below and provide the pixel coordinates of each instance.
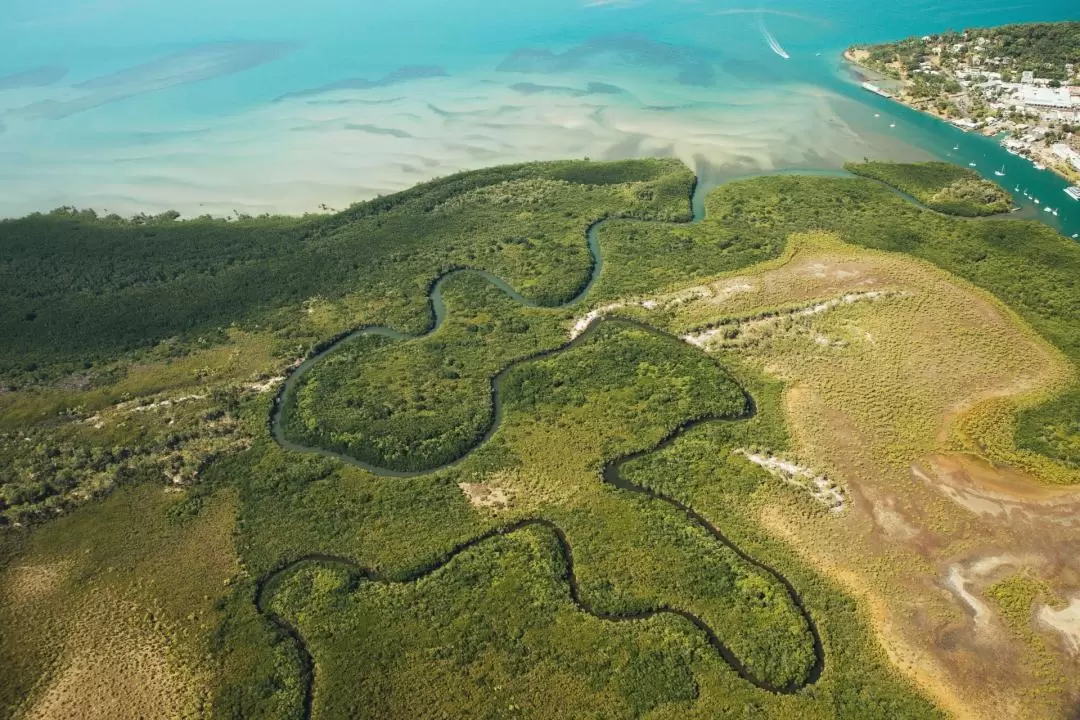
(849, 56)
(1049, 162)
(891, 96)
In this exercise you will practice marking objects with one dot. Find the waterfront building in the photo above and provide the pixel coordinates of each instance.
(1045, 97)
(1067, 154)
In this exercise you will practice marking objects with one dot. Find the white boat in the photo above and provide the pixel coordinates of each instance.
(1016, 189)
(1075, 236)
(1036, 201)
(892, 124)
(877, 114)
(1040, 166)
(1046, 209)
(874, 89)
(1001, 172)
(971, 164)
(1073, 192)
(1054, 212)
(956, 147)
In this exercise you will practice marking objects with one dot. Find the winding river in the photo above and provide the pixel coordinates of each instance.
(610, 474)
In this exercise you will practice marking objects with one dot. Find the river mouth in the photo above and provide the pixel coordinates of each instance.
(610, 473)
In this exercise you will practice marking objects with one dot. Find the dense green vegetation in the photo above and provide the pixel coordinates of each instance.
(515, 644)
(494, 631)
(620, 390)
(645, 257)
(1043, 48)
(627, 379)
(419, 404)
(46, 468)
(701, 470)
(940, 186)
(77, 290)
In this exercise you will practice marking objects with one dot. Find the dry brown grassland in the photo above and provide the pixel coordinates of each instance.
(902, 383)
(124, 637)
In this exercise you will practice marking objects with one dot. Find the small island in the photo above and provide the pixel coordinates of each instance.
(1020, 81)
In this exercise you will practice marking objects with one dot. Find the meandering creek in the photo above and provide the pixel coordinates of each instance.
(610, 474)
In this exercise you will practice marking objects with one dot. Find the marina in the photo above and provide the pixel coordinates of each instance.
(940, 139)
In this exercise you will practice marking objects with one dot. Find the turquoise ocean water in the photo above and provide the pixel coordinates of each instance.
(284, 106)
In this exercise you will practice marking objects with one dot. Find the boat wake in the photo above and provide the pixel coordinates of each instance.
(773, 44)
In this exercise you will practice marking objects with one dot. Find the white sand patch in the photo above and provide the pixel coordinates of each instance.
(823, 270)
(682, 297)
(264, 386)
(482, 496)
(702, 339)
(716, 293)
(985, 566)
(709, 336)
(957, 582)
(161, 403)
(588, 318)
(583, 322)
(887, 516)
(734, 287)
(818, 485)
(1065, 621)
(960, 575)
(133, 406)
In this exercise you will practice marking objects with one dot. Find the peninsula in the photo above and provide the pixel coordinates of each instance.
(1021, 82)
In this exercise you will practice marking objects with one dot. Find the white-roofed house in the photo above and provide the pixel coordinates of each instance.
(1067, 154)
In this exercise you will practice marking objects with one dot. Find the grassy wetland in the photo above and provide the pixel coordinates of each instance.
(526, 442)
